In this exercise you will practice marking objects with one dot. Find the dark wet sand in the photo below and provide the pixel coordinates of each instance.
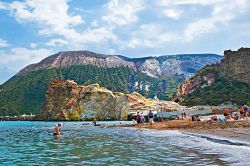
(234, 130)
(240, 133)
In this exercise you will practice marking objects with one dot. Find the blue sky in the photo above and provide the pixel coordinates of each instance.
(31, 30)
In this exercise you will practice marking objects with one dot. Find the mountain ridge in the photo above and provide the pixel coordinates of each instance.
(69, 58)
(151, 77)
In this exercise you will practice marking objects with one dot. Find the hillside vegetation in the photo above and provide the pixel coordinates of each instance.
(223, 89)
(24, 94)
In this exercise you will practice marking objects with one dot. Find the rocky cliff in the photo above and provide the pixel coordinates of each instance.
(228, 81)
(65, 100)
(237, 64)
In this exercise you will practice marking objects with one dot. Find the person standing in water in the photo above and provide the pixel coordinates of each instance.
(57, 131)
(94, 122)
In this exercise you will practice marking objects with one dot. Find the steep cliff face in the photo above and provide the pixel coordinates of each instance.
(151, 67)
(187, 64)
(237, 64)
(65, 100)
(216, 84)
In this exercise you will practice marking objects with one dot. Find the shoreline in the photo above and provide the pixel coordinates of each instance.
(229, 132)
(233, 131)
(186, 124)
(233, 134)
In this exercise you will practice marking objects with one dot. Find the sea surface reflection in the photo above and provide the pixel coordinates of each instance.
(32, 143)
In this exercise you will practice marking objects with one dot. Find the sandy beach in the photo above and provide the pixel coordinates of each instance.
(238, 134)
(233, 130)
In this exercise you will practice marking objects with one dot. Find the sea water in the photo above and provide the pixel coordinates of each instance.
(32, 143)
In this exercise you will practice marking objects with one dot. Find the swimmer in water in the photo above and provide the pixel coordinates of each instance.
(57, 131)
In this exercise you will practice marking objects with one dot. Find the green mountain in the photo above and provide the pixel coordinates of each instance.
(226, 82)
(24, 93)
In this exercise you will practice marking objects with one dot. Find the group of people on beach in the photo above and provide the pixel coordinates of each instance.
(140, 119)
(243, 113)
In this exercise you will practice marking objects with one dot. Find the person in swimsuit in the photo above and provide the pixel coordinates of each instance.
(57, 131)
(94, 122)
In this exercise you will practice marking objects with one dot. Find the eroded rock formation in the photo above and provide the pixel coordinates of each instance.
(65, 100)
(237, 64)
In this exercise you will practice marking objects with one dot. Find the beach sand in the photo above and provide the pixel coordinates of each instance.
(234, 130)
(238, 134)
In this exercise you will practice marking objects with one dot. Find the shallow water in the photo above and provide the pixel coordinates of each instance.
(32, 143)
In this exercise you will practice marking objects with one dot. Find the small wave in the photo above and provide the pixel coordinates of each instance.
(220, 140)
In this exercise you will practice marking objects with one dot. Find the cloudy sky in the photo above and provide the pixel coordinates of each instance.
(30, 30)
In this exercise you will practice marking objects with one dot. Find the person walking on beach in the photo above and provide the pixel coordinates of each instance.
(182, 116)
(142, 118)
(246, 111)
(185, 115)
(151, 118)
(57, 132)
(162, 119)
(138, 118)
(241, 113)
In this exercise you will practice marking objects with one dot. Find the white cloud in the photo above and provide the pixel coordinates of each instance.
(222, 14)
(94, 23)
(157, 35)
(103, 34)
(122, 12)
(84, 10)
(3, 6)
(172, 13)
(120, 23)
(51, 16)
(151, 36)
(4, 43)
(21, 57)
(56, 42)
(33, 45)
(188, 2)
(54, 19)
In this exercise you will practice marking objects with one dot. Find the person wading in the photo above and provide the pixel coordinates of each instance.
(57, 132)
